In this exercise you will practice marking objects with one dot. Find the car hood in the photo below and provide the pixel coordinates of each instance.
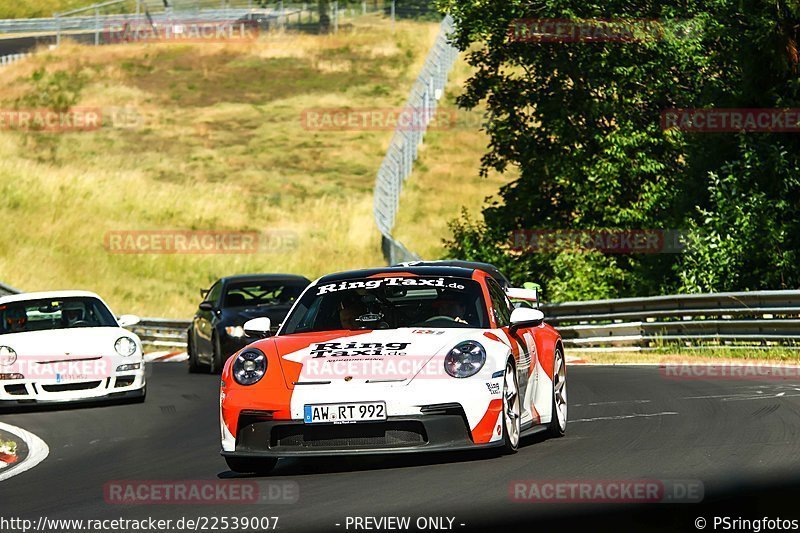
(67, 344)
(390, 356)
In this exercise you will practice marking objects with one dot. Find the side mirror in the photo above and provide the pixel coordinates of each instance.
(128, 320)
(525, 317)
(258, 328)
(206, 306)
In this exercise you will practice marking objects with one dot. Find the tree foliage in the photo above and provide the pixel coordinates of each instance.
(581, 121)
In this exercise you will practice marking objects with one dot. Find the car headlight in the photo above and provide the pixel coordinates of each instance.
(125, 346)
(235, 331)
(7, 356)
(128, 368)
(465, 360)
(249, 367)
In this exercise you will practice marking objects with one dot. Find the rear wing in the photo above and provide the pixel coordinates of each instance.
(525, 297)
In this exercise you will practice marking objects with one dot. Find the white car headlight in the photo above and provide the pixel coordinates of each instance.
(249, 367)
(235, 331)
(125, 346)
(7, 356)
(465, 360)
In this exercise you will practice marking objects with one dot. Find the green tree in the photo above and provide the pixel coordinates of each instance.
(582, 123)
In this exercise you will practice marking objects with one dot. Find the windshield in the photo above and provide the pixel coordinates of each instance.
(390, 303)
(262, 293)
(59, 313)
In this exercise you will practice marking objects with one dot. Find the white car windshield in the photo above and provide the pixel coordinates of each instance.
(54, 313)
(389, 303)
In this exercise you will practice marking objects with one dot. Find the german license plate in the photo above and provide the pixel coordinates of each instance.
(344, 413)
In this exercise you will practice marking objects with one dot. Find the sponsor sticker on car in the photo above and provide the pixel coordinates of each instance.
(344, 413)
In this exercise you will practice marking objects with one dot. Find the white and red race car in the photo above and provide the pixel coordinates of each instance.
(66, 346)
(393, 360)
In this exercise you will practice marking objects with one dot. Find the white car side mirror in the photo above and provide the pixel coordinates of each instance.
(525, 317)
(258, 328)
(128, 320)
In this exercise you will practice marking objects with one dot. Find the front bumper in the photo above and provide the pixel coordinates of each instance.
(124, 385)
(444, 431)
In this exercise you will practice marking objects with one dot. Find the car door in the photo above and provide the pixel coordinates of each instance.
(523, 338)
(203, 322)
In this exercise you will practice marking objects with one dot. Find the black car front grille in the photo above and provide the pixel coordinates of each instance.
(16, 390)
(349, 436)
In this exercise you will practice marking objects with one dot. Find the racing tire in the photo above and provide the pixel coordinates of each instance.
(511, 411)
(261, 465)
(195, 366)
(558, 421)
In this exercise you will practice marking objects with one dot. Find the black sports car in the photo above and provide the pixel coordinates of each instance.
(217, 329)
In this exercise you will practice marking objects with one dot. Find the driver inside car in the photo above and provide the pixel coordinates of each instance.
(349, 312)
(452, 308)
(72, 314)
(15, 319)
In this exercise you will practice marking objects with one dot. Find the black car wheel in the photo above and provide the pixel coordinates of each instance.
(195, 366)
(217, 362)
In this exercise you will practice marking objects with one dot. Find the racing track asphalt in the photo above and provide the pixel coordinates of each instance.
(740, 437)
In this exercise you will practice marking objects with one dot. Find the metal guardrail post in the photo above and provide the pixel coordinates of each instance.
(96, 26)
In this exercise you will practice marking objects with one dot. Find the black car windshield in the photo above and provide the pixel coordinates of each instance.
(54, 313)
(390, 303)
(262, 293)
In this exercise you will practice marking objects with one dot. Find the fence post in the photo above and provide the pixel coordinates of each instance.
(394, 12)
(336, 17)
(96, 26)
(58, 29)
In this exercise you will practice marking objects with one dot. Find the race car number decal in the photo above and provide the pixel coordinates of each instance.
(344, 413)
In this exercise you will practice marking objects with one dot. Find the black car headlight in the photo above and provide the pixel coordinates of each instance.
(249, 367)
(465, 360)
(7, 356)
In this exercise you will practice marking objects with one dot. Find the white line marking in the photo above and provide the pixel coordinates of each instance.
(37, 451)
(622, 417)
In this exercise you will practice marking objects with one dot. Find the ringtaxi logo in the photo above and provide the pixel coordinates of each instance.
(607, 491)
(168, 242)
(200, 492)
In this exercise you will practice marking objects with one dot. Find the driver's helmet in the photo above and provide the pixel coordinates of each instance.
(72, 313)
(16, 318)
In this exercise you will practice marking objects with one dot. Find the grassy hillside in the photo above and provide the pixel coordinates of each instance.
(210, 138)
(38, 8)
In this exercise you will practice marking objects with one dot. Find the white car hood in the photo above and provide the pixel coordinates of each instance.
(67, 344)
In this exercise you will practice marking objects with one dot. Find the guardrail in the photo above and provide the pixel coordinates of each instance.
(12, 58)
(5, 290)
(161, 333)
(759, 318)
(403, 149)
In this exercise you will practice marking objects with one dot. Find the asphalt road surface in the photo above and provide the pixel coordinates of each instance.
(740, 438)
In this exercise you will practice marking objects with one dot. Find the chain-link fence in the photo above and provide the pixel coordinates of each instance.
(403, 150)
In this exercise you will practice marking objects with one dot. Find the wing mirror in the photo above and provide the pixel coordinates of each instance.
(258, 328)
(206, 306)
(525, 317)
(126, 321)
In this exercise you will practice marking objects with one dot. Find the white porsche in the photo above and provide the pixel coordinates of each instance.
(67, 346)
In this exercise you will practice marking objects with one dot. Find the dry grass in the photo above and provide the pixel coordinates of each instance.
(215, 143)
